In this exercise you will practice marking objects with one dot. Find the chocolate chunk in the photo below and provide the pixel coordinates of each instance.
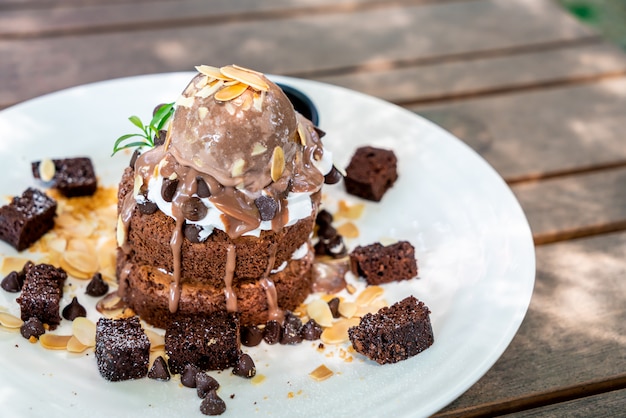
(383, 264)
(202, 189)
(371, 172)
(133, 159)
(193, 209)
(168, 189)
(97, 286)
(272, 332)
(334, 176)
(291, 330)
(333, 304)
(12, 283)
(188, 376)
(159, 371)
(193, 233)
(74, 310)
(324, 218)
(335, 247)
(212, 404)
(27, 218)
(205, 384)
(122, 349)
(146, 206)
(245, 367)
(251, 336)
(32, 328)
(159, 138)
(326, 232)
(41, 294)
(267, 206)
(311, 331)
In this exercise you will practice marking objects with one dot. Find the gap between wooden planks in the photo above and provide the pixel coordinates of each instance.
(539, 399)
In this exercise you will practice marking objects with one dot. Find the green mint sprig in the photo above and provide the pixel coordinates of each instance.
(148, 132)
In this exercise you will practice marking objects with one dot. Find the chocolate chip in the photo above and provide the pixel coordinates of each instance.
(97, 286)
(133, 159)
(333, 304)
(334, 176)
(291, 330)
(244, 367)
(205, 384)
(324, 218)
(12, 283)
(212, 404)
(193, 209)
(311, 331)
(168, 189)
(267, 207)
(193, 233)
(74, 310)
(159, 371)
(251, 336)
(320, 248)
(159, 138)
(147, 207)
(272, 331)
(188, 376)
(202, 189)
(335, 247)
(320, 133)
(33, 327)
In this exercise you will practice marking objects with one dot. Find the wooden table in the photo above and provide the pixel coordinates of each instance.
(540, 96)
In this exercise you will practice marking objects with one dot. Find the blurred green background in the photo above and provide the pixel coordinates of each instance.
(607, 16)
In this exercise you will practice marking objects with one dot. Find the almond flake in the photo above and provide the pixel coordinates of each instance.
(185, 101)
(257, 101)
(246, 76)
(202, 112)
(347, 309)
(10, 321)
(278, 164)
(10, 264)
(54, 342)
(211, 72)
(157, 341)
(137, 185)
(230, 92)
(203, 81)
(237, 169)
(321, 373)
(85, 331)
(258, 149)
(302, 134)
(368, 295)
(349, 211)
(348, 230)
(75, 346)
(319, 311)
(338, 333)
(81, 261)
(46, 170)
(210, 89)
(120, 232)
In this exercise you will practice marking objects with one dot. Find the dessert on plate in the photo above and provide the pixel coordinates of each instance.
(219, 217)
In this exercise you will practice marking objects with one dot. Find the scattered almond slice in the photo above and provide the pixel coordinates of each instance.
(321, 373)
(10, 321)
(75, 346)
(338, 332)
(47, 170)
(319, 311)
(347, 309)
(157, 341)
(85, 331)
(354, 211)
(246, 76)
(54, 342)
(258, 149)
(208, 91)
(348, 230)
(73, 259)
(373, 307)
(10, 264)
(211, 72)
(368, 295)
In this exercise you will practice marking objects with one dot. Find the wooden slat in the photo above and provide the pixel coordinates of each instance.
(544, 132)
(474, 75)
(574, 331)
(612, 404)
(575, 206)
(330, 42)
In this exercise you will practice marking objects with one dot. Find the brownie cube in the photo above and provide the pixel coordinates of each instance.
(208, 342)
(72, 176)
(394, 333)
(41, 294)
(122, 349)
(371, 172)
(27, 218)
(379, 264)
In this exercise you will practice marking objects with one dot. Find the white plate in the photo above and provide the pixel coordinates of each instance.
(474, 248)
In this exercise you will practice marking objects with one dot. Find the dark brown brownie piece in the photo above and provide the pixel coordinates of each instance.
(208, 342)
(394, 333)
(371, 172)
(41, 294)
(122, 349)
(379, 264)
(72, 177)
(27, 218)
